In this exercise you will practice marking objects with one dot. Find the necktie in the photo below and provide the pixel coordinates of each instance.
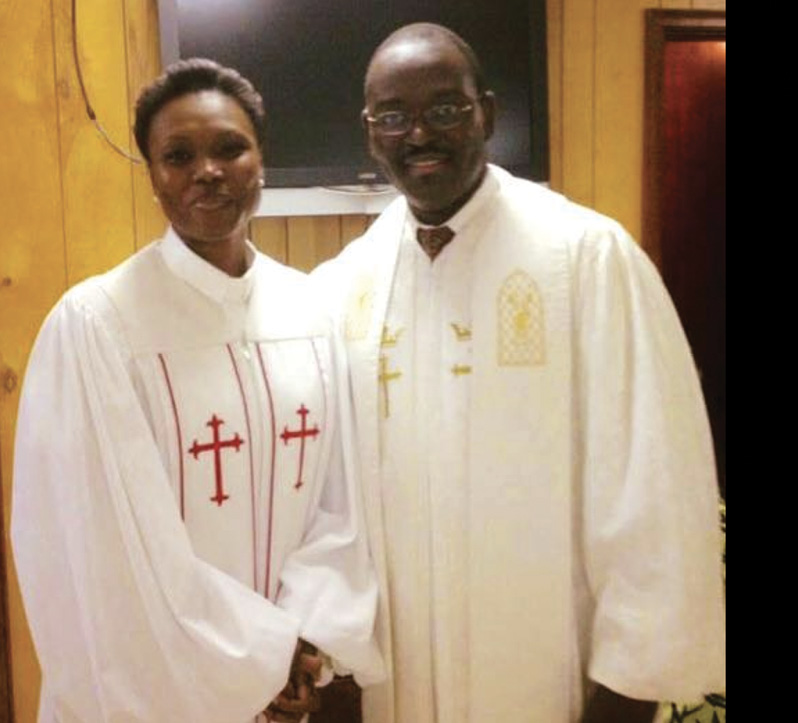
(432, 240)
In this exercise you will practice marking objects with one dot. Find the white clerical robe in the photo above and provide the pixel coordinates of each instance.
(184, 505)
(537, 465)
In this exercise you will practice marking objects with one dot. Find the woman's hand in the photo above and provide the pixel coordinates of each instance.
(300, 696)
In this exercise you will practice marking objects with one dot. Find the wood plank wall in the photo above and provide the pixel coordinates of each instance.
(596, 101)
(305, 241)
(72, 206)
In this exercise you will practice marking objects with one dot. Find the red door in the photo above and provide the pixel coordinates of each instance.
(685, 202)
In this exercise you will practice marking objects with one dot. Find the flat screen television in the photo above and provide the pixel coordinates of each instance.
(307, 58)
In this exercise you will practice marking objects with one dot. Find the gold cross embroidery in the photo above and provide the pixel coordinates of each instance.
(388, 340)
(385, 377)
(463, 333)
(359, 308)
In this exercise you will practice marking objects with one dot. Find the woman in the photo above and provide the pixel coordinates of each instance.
(182, 522)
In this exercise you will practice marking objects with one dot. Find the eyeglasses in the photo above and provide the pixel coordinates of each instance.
(440, 117)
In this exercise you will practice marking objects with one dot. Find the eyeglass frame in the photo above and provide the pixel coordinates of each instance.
(413, 118)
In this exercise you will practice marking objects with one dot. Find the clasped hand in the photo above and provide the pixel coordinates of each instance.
(300, 696)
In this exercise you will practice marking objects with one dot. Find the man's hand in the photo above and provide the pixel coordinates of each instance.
(299, 697)
(606, 706)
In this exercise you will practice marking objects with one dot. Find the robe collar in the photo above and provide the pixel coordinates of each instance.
(461, 220)
(204, 276)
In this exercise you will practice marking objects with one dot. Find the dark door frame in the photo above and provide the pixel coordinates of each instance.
(663, 26)
(663, 30)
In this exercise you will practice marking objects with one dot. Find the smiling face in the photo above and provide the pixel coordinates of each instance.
(206, 168)
(437, 170)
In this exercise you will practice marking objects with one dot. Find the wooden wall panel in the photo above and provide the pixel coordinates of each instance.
(578, 103)
(143, 66)
(305, 241)
(98, 209)
(6, 688)
(270, 235)
(32, 271)
(352, 227)
(596, 111)
(554, 31)
(312, 239)
(618, 156)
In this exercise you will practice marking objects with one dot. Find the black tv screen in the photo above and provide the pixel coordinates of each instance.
(307, 58)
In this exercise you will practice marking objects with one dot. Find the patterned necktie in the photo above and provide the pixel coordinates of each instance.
(432, 240)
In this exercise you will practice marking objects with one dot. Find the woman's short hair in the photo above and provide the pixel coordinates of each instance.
(192, 76)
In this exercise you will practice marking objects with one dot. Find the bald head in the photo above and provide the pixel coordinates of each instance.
(408, 37)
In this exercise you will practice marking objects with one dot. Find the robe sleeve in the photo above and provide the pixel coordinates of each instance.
(651, 535)
(329, 582)
(128, 624)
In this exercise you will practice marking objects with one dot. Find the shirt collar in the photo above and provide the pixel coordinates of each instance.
(204, 276)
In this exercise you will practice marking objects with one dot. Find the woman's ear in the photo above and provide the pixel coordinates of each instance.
(154, 187)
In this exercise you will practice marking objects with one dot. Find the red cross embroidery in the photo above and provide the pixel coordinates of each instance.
(216, 447)
(301, 433)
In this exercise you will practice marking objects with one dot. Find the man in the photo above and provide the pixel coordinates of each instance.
(536, 457)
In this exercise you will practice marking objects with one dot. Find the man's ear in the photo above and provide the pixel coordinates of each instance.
(487, 101)
(262, 172)
(367, 130)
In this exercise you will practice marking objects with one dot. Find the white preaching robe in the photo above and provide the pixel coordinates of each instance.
(537, 464)
(184, 504)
